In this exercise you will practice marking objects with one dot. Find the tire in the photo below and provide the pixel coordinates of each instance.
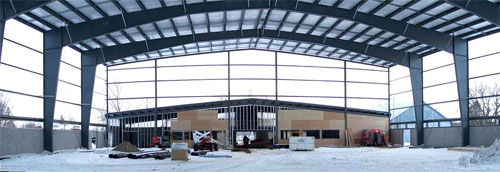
(211, 147)
(195, 147)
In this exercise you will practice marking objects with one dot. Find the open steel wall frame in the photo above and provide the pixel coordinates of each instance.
(417, 37)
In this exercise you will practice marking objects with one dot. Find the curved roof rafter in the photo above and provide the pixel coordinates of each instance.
(126, 50)
(86, 30)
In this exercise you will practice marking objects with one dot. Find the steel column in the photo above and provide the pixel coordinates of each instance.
(229, 130)
(345, 95)
(461, 59)
(155, 118)
(51, 61)
(417, 85)
(276, 129)
(2, 28)
(88, 70)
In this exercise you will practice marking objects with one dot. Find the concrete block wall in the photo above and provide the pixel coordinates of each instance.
(443, 137)
(20, 140)
(67, 139)
(17, 141)
(397, 136)
(100, 136)
(483, 135)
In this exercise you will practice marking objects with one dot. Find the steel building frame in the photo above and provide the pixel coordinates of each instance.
(118, 33)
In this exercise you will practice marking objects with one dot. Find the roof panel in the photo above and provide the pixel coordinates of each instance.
(369, 6)
(311, 19)
(129, 5)
(389, 8)
(109, 8)
(149, 4)
(90, 12)
(327, 2)
(348, 4)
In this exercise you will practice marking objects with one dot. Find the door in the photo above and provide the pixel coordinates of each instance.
(406, 137)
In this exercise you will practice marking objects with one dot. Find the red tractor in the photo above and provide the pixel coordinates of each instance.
(373, 137)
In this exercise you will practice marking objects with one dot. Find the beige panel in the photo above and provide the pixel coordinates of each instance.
(336, 124)
(359, 122)
(327, 142)
(207, 115)
(181, 125)
(284, 124)
(333, 116)
(201, 125)
(310, 124)
(187, 115)
(219, 124)
(300, 115)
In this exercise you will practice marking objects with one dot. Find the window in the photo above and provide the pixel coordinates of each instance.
(314, 133)
(177, 136)
(186, 135)
(330, 134)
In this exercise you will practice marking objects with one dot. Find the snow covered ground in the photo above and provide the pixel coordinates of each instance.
(321, 159)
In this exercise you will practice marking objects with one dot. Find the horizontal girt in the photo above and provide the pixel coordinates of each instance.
(120, 51)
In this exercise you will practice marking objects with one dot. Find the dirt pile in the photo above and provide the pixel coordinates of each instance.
(126, 147)
(483, 155)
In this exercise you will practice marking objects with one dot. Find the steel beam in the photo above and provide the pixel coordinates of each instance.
(486, 10)
(131, 49)
(15, 8)
(461, 59)
(51, 61)
(417, 85)
(2, 27)
(89, 64)
(86, 30)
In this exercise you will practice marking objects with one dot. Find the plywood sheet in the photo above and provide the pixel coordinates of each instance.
(333, 116)
(310, 124)
(201, 125)
(207, 115)
(284, 124)
(300, 115)
(336, 124)
(187, 115)
(181, 125)
(328, 142)
(219, 124)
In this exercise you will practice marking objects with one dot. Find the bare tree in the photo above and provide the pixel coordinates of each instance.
(488, 106)
(117, 105)
(5, 110)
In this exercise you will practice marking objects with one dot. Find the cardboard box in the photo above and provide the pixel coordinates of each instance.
(179, 151)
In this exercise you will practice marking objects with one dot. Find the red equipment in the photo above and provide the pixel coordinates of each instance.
(373, 137)
(155, 141)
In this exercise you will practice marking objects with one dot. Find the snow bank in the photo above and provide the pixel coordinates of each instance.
(483, 155)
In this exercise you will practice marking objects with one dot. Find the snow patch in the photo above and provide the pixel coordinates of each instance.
(483, 155)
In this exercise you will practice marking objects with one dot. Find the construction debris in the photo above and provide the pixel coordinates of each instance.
(463, 149)
(349, 142)
(118, 155)
(126, 147)
(149, 154)
(198, 153)
(162, 155)
(483, 155)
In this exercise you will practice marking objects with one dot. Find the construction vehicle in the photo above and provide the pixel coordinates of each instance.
(373, 137)
(159, 142)
(204, 141)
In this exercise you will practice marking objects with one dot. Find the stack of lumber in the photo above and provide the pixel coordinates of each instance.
(349, 142)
